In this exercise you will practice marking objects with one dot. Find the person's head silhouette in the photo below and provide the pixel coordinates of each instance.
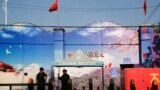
(64, 71)
(41, 70)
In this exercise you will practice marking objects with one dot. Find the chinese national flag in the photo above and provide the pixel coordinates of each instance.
(54, 6)
(145, 7)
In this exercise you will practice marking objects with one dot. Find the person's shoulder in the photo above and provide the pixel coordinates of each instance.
(44, 73)
(67, 75)
(38, 73)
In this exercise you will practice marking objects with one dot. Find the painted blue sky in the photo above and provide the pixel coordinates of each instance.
(72, 13)
(96, 39)
(27, 45)
(80, 12)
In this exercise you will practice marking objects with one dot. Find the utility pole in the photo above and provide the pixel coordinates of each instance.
(5, 10)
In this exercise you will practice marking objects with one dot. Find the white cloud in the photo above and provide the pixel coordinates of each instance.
(103, 24)
(20, 28)
(100, 24)
(18, 66)
(83, 33)
(31, 34)
(4, 35)
(117, 33)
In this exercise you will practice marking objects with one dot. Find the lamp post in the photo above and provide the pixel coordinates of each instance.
(5, 10)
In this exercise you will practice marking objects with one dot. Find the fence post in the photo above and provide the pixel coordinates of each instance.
(97, 88)
(83, 88)
(57, 88)
(90, 84)
(10, 87)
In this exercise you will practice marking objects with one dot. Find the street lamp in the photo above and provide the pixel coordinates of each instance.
(5, 10)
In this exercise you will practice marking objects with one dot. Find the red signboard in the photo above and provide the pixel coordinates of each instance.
(142, 77)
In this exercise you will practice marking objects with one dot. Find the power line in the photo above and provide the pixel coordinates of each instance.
(157, 21)
(31, 8)
(83, 8)
(36, 7)
(107, 9)
(11, 3)
(80, 9)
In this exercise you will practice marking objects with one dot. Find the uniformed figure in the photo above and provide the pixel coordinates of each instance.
(64, 80)
(41, 79)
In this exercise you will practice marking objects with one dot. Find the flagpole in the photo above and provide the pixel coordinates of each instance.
(5, 10)
(58, 27)
(58, 14)
(57, 18)
(58, 77)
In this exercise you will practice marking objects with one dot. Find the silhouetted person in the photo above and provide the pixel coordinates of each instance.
(111, 84)
(69, 84)
(64, 80)
(90, 84)
(154, 85)
(30, 84)
(132, 85)
(41, 79)
(50, 84)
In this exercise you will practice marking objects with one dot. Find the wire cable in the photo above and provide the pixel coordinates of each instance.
(158, 21)
(31, 8)
(152, 13)
(36, 7)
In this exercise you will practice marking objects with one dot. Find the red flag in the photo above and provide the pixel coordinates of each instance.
(54, 6)
(145, 7)
(110, 65)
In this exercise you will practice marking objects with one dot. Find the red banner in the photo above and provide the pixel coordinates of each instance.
(142, 78)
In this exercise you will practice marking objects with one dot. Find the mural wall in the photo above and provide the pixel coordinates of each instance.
(24, 49)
